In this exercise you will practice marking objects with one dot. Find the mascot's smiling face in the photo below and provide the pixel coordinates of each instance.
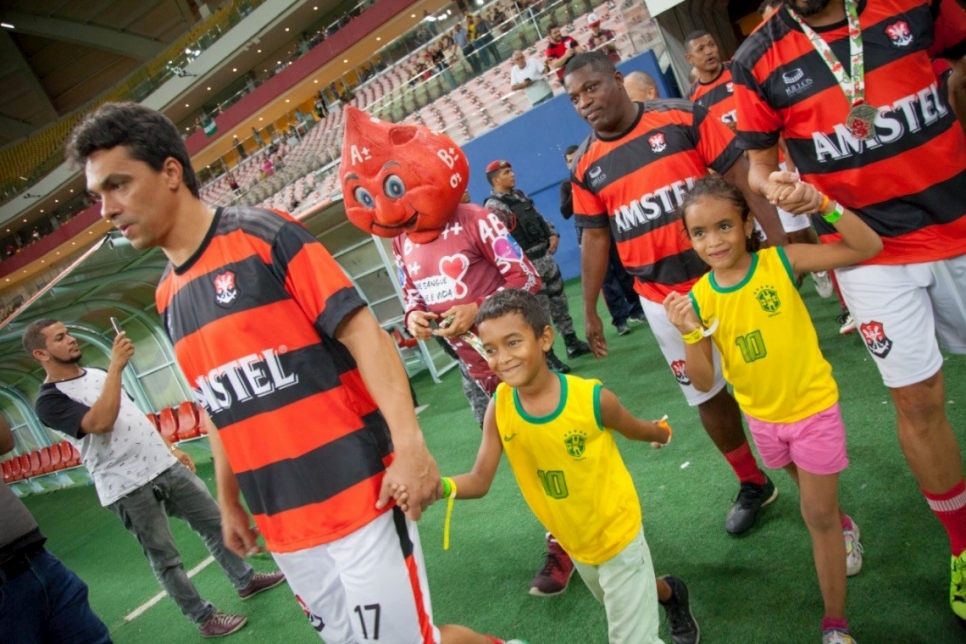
(400, 178)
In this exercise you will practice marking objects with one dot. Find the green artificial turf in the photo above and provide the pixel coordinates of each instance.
(758, 588)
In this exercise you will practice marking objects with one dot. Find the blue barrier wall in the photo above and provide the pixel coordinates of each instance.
(534, 144)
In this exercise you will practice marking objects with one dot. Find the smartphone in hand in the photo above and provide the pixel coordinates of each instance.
(117, 326)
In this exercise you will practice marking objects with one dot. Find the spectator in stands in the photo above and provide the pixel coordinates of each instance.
(43, 600)
(267, 168)
(475, 37)
(239, 148)
(602, 38)
(641, 87)
(462, 39)
(258, 138)
(233, 184)
(484, 40)
(560, 49)
(528, 74)
(137, 473)
(438, 56)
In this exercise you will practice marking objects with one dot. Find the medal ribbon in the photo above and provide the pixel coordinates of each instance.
(853, 85)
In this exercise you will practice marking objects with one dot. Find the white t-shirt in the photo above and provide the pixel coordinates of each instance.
(120, 461)
(539, 89)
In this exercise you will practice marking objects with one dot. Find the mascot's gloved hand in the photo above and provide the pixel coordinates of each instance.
(400, 178)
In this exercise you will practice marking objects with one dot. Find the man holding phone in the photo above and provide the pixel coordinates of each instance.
(138, 474)
(561, 49)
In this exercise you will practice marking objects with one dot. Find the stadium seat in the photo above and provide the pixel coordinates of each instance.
(69, 454)
(153, 417)
(188, 421)
(169, 424)
(35, 466)
(56, 457)
(26, 469)
(8, 476)
(43, 454)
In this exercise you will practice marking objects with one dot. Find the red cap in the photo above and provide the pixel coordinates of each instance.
(497, 165)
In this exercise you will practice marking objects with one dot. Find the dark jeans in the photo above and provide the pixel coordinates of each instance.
(186, 498)
(619, 294)
(48, 603)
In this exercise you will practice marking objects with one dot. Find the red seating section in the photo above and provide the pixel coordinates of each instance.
(186, 421)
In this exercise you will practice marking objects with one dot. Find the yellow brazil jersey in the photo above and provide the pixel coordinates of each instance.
(570, 472)
(768, 345)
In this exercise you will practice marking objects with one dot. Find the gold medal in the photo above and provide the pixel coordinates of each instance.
(861, 121)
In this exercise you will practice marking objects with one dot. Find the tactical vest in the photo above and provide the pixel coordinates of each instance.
(530, 230)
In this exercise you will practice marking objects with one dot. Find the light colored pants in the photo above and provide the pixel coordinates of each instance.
(626, 586)
(186, 498)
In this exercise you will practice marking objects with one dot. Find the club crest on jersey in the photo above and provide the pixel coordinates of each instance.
(575, 441)
(767, 298)
(899, 34)
(657, 141)
(225, 289)
(677, 368)
(314, 619)
(875, 338)
(730, 87)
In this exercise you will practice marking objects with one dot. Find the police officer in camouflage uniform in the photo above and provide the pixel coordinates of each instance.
(539, 240)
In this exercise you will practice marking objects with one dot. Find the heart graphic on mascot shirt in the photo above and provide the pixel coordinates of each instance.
(503, 248)
(454, 267)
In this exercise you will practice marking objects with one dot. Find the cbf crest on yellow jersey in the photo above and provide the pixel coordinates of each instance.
(768, 345)
(570, 471)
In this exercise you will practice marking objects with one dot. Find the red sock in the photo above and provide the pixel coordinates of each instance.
(745, 466)
(835, 285)
(835, 624)
(950, 508)
(846, 522)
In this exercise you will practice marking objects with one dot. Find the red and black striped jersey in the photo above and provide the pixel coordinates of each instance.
(635, 183)
(717, 96)
(252, 316)
(908, 182)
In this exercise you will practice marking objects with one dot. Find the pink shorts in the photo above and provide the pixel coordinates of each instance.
(815, 444)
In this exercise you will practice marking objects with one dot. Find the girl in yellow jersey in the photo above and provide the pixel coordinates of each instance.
(750, 307)
(557, 433)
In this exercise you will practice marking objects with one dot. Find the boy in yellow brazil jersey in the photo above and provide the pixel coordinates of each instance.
(557, 432)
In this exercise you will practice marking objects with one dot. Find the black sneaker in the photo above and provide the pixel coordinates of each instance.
(751, 498)
(556, 364)
(684, 629)
(623, 329)
(576, 347)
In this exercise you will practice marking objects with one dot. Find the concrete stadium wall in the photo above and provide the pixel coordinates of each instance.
(534, 144)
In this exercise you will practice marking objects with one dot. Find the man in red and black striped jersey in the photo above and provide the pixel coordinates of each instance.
(630, 175)
(713, 90)
(312, 418)
(891, 150)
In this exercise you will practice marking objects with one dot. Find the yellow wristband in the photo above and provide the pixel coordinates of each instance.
(449, 491)
(694, 337)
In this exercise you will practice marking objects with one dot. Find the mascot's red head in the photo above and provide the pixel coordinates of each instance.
(400, 178)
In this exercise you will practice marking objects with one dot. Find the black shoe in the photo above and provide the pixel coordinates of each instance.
(556, 364)
(623, 329)
(640, 318)
(576, 347)
(684, 630)
(751, 498)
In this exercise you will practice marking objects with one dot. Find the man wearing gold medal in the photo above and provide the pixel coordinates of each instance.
(849, 86)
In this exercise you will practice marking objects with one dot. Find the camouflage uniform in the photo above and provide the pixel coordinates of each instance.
(551, 295)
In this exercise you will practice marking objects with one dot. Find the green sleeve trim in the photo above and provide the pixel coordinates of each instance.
(788, 266)
(598, 415)
(697, 307)
(737, 287)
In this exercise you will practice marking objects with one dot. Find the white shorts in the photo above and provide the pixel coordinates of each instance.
(368, 585)
(626, 586)
(900, 310)
(672, 346)
(790, 223)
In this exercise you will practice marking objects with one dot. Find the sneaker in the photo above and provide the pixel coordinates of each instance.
(640, 318)
(684, 630)
(853, 551)
(556, 364)
(221, 624)
(576, 347)
(848, 324)
(623, 329)
(261, 581)
(837, 637)
(823, 284)
(556, 572)
(751, 498)
(957, 586)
